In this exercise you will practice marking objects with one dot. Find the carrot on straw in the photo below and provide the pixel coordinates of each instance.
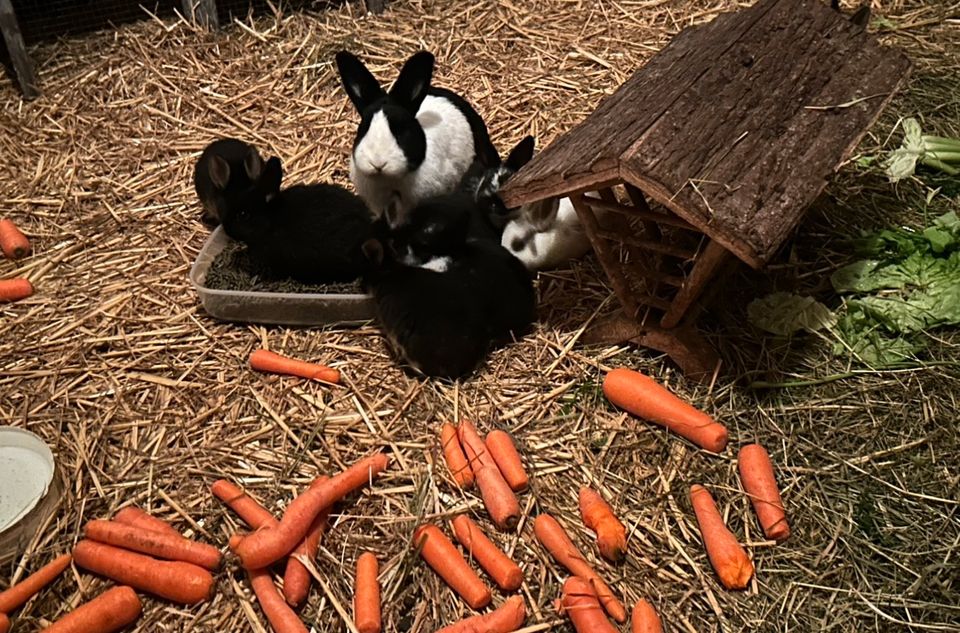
(504, 452)
(453, 454)
(296, 578)
(15, 289)
(14, 597)
(111, 611)
(553, 537)
(646, 398)
(599, 517)
(268, 545)
(756, 474)
(645, 618)
(282, 618)
(437, 550)
(474, 447)
(245, 506)
(4, 623)
(506, 573)
(581, 604)
(176, 581)
(728, 558)
(498, 498)
(366, 595)
(134, 516)
(157, 544)
(12, 240)
(506, 618)
(267, 361)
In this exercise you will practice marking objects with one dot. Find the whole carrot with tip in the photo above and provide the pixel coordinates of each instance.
(17, 595)
(12, 240)
(15, 289)
(111, 611)
(506, 618)
(135, 517)
(580, 603)
(437, 550)
(756, 474)
(296, 578)
(453, 454)
(267, 361)
(498, 497)
(157, 544)
(645, 397)
(599, 517)
(728, 558)
(281, 617)
(366, 595)
(501, 447)
(506, 573)
(645, 619)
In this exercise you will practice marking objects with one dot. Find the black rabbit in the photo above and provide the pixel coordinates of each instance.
(224, 177)
(311, 233)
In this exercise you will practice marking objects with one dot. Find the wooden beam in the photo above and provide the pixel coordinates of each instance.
(650, 245)
(18, 52)
(707, 263)
(202, 13)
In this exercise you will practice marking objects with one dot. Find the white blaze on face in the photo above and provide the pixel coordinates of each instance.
(437, 264)
(377, 153)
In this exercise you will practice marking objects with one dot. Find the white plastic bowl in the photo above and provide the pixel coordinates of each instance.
(28, 489)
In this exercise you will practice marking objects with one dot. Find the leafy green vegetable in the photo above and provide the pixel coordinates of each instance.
(783, 313)
(933, 151)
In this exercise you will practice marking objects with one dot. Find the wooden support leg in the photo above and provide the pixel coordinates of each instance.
(18, 52)
(707, 263)
(202, 12)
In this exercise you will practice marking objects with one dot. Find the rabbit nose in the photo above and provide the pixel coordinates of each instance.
(378, 167)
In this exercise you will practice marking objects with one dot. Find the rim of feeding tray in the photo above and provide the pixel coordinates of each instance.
(26, 472)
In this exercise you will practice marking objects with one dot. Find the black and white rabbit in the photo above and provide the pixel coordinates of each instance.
(224, 176)
(414, 142)
(311, 233)
(443, 300)
(483, 184)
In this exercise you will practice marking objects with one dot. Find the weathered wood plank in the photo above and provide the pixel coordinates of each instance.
(18, 52)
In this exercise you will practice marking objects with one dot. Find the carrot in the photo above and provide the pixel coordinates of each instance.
(281, 617)
(12, 241)
(474, 447)
(646, 398)
(580, 602)
(501, 448)
(246, 507)
(268, 545)
(443, 557)
(157, 544)
(599, 517)
(553, 537)
(134, 516)
(498, 499)
(505, 572)
(728, 558)
(15, 289)
(4, 623)
(645, 618)
(453, 454)
(176, 581)
(111, 611)
(267, 361)
(366, 595)
(296, 578)
(18, 594)
(756, 473)
(506, 618)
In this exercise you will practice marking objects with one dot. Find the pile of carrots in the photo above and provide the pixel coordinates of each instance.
(14, 245)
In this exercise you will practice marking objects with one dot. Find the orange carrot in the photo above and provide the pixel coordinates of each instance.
(246, 507)
(268, 545)
(134, 516)
(501, 448)
(553, 537)
(267, 361)
(157, 544)
(646, 398)
(12, 241)
(18, 594)
(506, 618)
(580, 602)
(498, 499)
(296, 578)
(176, 581)
(15, 289)
(506, 573)
(728, 558)
(443, 557)
(599, 517)
(281, 617)
(756, 473)
(366, 595)
(111, 611)
(474, 447)
(453, 454)
(645, 618)
(4, 623)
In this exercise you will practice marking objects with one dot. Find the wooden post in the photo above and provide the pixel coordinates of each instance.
(202, 12)
(376, 6)
(18, 52)
(706, 265)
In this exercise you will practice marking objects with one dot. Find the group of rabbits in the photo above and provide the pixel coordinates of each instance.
(447, 264)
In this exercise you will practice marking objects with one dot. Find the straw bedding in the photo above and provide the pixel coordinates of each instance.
(147, 400)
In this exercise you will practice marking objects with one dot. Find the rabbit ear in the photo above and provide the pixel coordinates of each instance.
(253, 164)
(373, 250)
(271, 176)
(521, 154)
(219, 171)
(361, 86)
(541, 214)
(411, 86)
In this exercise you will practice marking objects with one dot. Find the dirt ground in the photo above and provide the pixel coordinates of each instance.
(145, 399)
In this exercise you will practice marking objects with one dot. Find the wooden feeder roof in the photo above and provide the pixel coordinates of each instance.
(735, 126)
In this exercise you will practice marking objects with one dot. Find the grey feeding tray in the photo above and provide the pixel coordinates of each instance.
(279, 308)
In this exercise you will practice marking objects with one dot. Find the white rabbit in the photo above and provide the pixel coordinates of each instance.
(546, 235)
